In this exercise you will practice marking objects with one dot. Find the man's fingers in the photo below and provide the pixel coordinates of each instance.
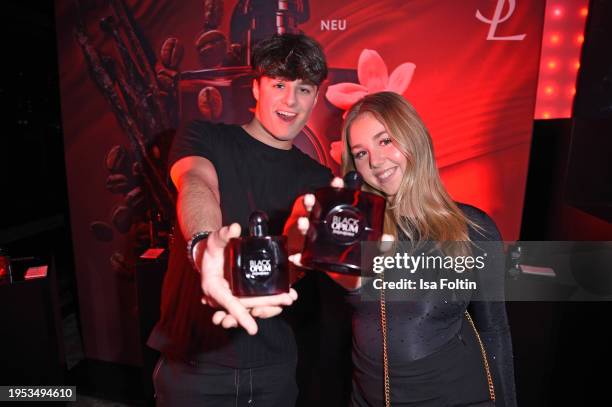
(225, 320)
(229, 322)
(230, 232)
(215, 288)
(217, 240)
(218, 317)
(284, 299)
(266, 312)
(238, 311)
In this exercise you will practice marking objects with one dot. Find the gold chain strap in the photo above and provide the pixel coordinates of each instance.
(484, 357)
(383, 325)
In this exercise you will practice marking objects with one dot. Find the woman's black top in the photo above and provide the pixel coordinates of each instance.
(434, 356)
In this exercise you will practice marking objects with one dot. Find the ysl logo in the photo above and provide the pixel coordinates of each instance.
(497, 18)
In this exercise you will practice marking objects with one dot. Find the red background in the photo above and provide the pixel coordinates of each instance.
(476, 96)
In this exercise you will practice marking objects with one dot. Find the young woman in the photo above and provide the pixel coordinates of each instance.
(424, 351)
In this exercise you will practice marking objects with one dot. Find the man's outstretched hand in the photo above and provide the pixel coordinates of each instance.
(216, 290)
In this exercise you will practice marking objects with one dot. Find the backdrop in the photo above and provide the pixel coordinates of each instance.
(130, 71)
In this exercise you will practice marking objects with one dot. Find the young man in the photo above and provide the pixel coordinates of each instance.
(223, 173)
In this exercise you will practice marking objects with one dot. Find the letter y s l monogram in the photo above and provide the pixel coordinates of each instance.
(497, 18)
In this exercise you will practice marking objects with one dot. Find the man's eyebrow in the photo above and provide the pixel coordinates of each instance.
(305, 83)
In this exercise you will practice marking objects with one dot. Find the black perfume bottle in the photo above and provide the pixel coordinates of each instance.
(258, 264)
(340, 220)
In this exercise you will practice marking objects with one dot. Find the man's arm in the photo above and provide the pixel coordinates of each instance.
(199, 209)
(198, 203)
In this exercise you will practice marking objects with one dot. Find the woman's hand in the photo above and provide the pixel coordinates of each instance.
(303, 207)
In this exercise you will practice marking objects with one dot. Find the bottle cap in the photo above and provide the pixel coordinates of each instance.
(258, 224)
(352, 180)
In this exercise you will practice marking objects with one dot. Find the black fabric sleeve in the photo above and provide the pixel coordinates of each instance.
(321, 178)
(315, 175)
(196, 138)
(489, 313)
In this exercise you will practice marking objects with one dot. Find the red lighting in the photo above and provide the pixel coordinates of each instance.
(562, 41)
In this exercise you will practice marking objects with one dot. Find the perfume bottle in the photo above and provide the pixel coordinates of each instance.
(258, 264)
(340, 221)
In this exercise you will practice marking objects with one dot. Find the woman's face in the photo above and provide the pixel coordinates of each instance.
(377, 159)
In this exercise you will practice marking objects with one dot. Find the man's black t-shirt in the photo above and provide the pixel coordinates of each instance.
(252, 176)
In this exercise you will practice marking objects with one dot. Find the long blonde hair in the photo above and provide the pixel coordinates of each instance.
(422, 208)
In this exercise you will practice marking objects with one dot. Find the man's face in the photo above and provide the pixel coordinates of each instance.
(283, 106)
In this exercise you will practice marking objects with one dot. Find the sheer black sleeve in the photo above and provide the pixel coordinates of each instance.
(488, 310)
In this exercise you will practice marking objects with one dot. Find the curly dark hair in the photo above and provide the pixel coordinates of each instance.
(290, 56)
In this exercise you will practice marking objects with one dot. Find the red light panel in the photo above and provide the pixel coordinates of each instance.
(560, 60)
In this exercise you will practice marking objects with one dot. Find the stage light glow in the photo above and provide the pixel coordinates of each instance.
(562, 41)
(572, 91)
(546, 115)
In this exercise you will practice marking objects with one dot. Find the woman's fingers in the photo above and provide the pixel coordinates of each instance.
(303, 224)
(386, 242)
(309, 201)
(296, 259)
(337, 182)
